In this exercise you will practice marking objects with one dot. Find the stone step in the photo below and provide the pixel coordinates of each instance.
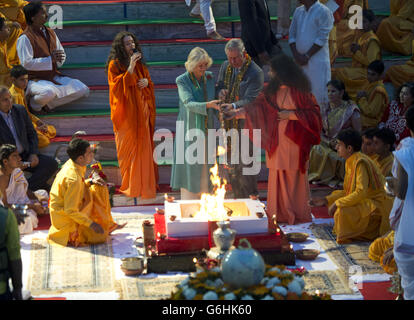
(146, 9)
(68, 122)
(113, 173)
(106, 30)
(153, 51)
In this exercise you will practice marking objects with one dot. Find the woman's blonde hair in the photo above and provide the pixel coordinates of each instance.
(197, 55)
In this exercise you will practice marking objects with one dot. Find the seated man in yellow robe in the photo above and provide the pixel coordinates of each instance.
(12, 11)
(368, 147)
(373, 100)
(382, 251)
(80, 211)
(360, 208)
(20, 78)
(5, 66)
(364, 51)
(402, 73)
(384, 140)
(345, 36)
(396, 31)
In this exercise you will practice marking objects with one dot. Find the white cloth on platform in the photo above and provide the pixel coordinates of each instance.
(203, 7)
(45, 92)
(309, 28)
(16, 193)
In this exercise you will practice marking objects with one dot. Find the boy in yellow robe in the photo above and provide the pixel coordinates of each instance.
(373, 100)
(396, 31)
(366, 50)
(80, 211)
(360, 208)
(400, 74)
(384, 140)
(368, 147)
(20, 78)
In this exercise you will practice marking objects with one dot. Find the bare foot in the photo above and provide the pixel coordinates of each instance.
(117, 227)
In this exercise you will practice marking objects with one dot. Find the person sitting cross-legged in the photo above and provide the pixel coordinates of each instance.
(384, 140)
(14, 188)
(360, 208)
(80, 210)
(20, 78)
(368, 147)
(41, 53)
(373, 100)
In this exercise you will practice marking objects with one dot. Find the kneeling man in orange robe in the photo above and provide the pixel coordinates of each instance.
(361, 210)
(80, 211)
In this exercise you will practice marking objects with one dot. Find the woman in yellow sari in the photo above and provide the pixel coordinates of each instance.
(325, 166)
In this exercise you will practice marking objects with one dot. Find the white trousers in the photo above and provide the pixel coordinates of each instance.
(203, 7)
(405, 264)
(45, 92)
(283, 19)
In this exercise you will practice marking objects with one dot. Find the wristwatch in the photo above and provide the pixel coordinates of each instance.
(307, 56)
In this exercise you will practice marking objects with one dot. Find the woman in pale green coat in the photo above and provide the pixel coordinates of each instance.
(198, 109)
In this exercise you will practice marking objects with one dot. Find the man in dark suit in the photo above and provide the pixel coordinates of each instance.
(240, 81)
(16, 128)
(257, 35)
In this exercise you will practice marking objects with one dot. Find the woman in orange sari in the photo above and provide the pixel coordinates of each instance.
(132, 100)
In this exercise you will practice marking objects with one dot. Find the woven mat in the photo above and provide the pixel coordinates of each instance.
(134, 221)
(55, 269)
(330, 281)
(347, 257)
(149, 289)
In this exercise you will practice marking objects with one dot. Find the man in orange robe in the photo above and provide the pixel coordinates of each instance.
(132, 100)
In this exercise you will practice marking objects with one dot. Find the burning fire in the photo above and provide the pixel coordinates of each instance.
(212, 205)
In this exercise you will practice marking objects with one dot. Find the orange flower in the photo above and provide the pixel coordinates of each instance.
(292, 296)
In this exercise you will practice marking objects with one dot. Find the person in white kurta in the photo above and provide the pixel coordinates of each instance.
(16, 193)
(45, 92)
(308, 38)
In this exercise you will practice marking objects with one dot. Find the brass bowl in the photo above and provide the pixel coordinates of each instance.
(307, 254)
(132, 265)
(297, 236)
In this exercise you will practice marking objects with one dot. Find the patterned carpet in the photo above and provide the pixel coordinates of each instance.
(55, 269)
(351, 258)
(330, 281)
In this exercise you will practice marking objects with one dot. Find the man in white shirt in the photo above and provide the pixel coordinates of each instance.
(41, 53)
(308, 38)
